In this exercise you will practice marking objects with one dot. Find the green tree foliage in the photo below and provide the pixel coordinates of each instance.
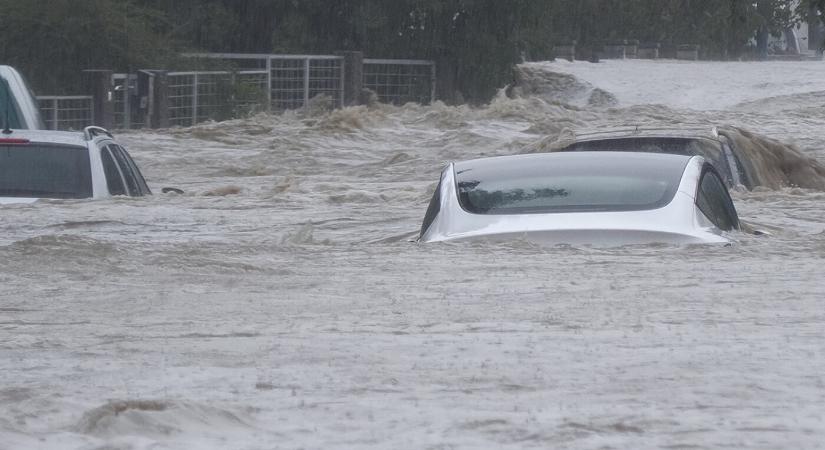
(475, 42)
(814, 12)
(52, 41)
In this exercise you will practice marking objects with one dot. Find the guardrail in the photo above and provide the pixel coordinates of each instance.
(66, 112)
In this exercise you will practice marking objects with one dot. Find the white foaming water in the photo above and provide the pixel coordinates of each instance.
(693, 85)
(279, 302)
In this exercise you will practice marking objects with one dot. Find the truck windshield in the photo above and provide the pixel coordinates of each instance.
(45, 171)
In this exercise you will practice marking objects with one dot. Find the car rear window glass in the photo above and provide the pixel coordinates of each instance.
(569, 182)
(45, 171)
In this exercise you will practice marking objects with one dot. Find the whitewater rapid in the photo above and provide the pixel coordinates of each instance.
(280, 302)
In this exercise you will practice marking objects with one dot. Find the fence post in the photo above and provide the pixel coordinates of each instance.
(353, 76)
(99, 84)
(55, 115)
(156, 83)
(433, 82)
(269, 84)
(127, 103)
(306, 82)
(194, 99)
(145, 90)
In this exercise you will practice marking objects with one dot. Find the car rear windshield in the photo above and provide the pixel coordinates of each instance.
(569, 182)
(45, 171)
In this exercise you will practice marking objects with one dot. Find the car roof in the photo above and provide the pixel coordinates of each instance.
(687, 132)
(8, 72)
(620, 159)
(48, 137)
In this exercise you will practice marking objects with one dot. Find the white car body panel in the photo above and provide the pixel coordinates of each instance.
(100, 188)
(678, 222)
(24, 99)
(17, 200)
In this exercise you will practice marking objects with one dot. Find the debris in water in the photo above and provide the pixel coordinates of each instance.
(223, 191)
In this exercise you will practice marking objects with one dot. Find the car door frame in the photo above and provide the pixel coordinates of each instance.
(103, 145)
(134, 170)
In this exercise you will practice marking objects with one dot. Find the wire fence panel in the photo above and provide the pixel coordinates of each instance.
(287, 81)
(127, 103)
(120, 98)
(243, 84)
(180, 95)
(326, 78)
(195, 97)
(297, 81)
(288, 84)
(250, 92)
(400, 81)
(66, 112)
(213, 99)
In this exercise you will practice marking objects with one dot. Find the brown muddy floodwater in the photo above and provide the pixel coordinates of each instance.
(279, 302)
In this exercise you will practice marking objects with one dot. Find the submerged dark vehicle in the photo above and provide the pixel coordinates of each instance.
(742, 158)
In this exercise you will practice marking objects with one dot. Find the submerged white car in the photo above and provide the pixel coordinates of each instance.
(37, 164)
(599, 198)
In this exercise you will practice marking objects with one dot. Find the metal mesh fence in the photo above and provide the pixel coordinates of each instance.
(249, 84)
(213, 97)
(287, 84)
(400, 81)
(296, 81)
(120, 98)
(181, 95)
(196, 97)
(326, 78)
(66, 112)
(127, 111)
(250, 92)
(293, 80)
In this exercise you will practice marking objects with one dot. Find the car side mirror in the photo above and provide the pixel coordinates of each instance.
(168, 190)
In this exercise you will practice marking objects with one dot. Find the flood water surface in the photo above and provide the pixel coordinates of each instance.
(280, 302)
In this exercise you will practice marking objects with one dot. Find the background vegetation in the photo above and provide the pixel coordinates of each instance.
(475, 42)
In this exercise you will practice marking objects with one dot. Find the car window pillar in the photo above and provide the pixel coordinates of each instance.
(714, 201)
(104, 155)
